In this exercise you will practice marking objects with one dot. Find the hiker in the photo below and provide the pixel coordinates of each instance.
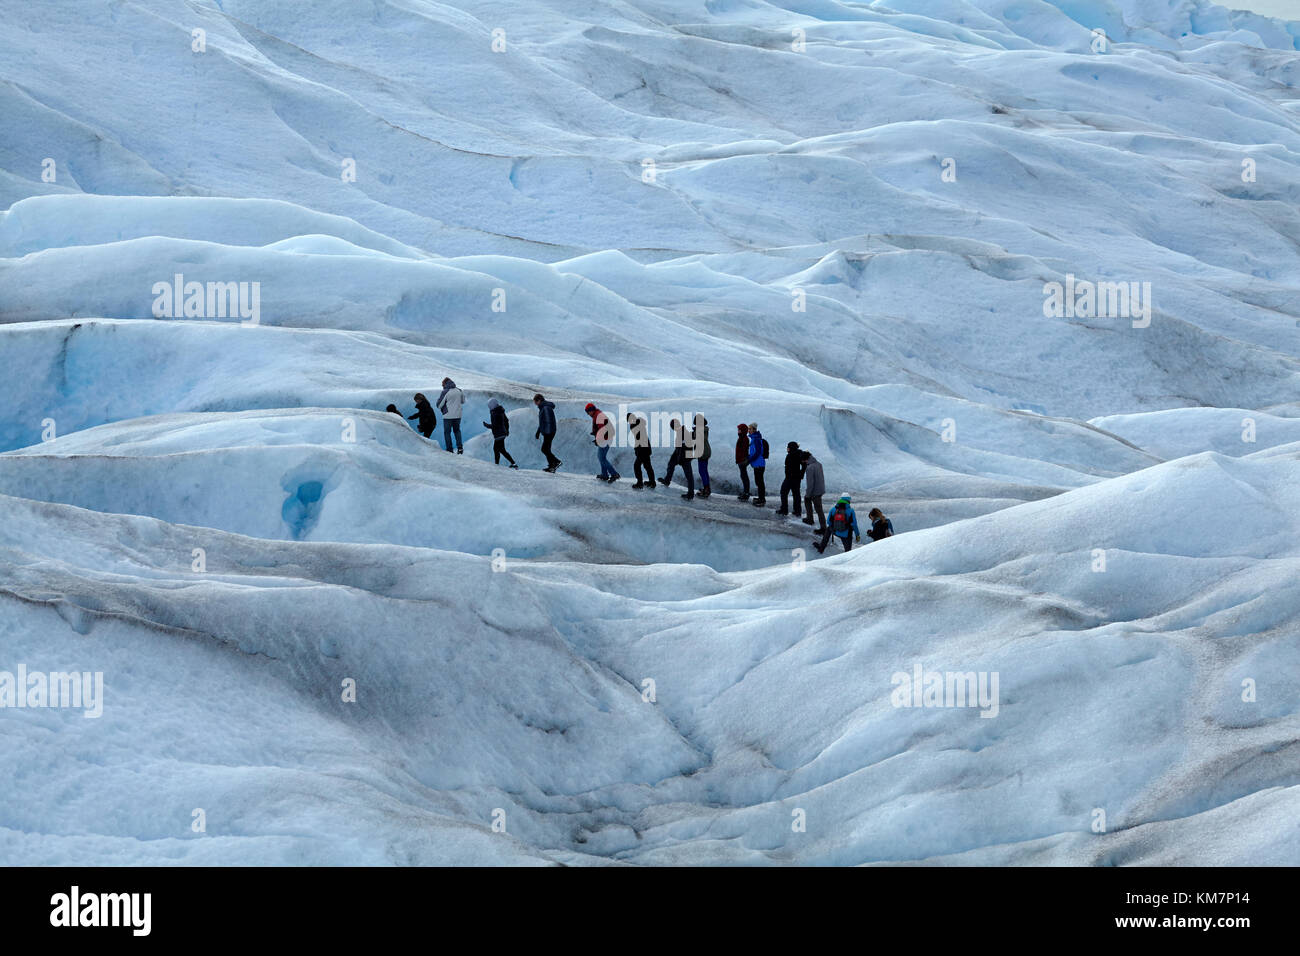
(601, 437)
(449, 403)
(640, 434)
(700, 450)
(814, 486)
(546, 430)
(500, 426)
(742, 460)
(427, 419)
(793, 475)
(758, 461)
(678, 457)
(881, 527)
(843, 523)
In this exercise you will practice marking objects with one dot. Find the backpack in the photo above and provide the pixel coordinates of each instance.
(766, 453)
(840, 520)
(505, 420)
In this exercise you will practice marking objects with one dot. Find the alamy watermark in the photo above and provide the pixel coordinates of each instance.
(1085, 299)
(83, 691)
(212, 300)
(922, 688)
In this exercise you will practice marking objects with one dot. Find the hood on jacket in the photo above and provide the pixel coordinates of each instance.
(493, 403)
(448, 383)
(742, 429)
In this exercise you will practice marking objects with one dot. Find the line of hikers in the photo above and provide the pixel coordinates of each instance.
(751, 454)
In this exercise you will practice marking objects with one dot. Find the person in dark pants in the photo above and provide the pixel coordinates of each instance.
(500, 426)
(757, 461)
(701, 451)
(450, 403)
(546, 430)
(793, 475)
(679, 458)
(881, 527)
(742, 460)
(639, 432)
(424, 412)
(843, 523)
(814, 486)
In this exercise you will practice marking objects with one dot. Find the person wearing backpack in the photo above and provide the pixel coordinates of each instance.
(842, 523)
(679, 458)
(546, 430)
(881, 527)
(450, 403)
(424, 412)
(742, 460)
(758, 461)
(814, 486)
(639, 432)
(701, 451)
(500, 426)
(793, 475)
(601, 436)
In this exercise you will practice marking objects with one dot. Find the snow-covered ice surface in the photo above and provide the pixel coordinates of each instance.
(735, 207)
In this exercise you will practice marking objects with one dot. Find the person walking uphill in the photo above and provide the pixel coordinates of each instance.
(679, 458)
(701, 451)
(602, 435)
(423, 411)
(546, 430)
(842, 523)
(500, 426)
(639, 431)
(793, 475)
(742, 460)
(814, 486)
(881, 527)
(758, 461)
(450, 403)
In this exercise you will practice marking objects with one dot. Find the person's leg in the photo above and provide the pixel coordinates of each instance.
(821, 515)
(649, 469)
(785, 497)
(551, 460)
(602, 455)
(446, 434)
(848, 542)
(506, 453)
(744, 481)
(498, 446)
(637, 461)
(758, 482)
(704, 474)
(794, 487)
(455, 427)
(690, 475)
(826, 538)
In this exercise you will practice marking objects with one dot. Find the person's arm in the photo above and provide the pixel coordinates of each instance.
(411, 418)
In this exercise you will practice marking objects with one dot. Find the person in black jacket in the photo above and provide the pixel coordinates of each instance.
(424, 412)
(881, 527)
(678, 457)
(546, 430)
(793, 476)
(500, 426)
(639, 433)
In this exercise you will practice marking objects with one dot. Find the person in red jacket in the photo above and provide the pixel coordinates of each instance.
(742, 460)
(602, 436)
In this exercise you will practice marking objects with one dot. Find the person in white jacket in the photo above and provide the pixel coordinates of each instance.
(450, 403)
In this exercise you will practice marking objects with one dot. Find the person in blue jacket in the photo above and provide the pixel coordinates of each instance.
(758, 462)
(842, 523)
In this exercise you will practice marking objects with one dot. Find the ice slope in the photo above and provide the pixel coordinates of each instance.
(662, 204)
(1119, 690)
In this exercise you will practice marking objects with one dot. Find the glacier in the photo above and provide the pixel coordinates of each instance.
(333, 643)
